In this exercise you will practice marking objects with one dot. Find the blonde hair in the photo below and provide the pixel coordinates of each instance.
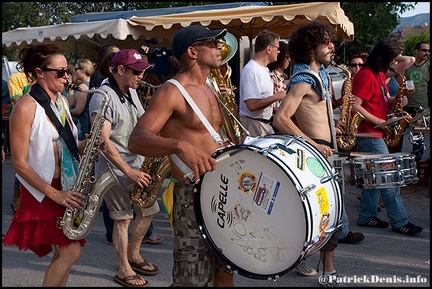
(86, 65)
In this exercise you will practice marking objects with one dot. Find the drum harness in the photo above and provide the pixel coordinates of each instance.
(326, 94)
(182, 166)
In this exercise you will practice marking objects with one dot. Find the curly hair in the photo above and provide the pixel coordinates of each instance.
(306, 39)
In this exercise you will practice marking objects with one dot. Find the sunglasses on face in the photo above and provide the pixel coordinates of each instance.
(77, 68)
(135, 72)
(60, 72)
(425, 50)
(356, 64)
(214, 43)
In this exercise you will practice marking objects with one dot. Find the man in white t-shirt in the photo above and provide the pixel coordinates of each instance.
(256, 86)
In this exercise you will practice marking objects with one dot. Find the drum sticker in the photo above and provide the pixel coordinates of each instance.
(300, 159)
(315, 167)
(247, 182)
(322, 198)
(240, 213)
(265, 194)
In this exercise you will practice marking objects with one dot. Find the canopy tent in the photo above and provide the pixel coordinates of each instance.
(158, 11)
(241, 19)
(87, 32)
(250, 20)
(81, 38)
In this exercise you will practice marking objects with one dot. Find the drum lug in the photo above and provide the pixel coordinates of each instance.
(305, 192)
(282, 147)
(329, 178)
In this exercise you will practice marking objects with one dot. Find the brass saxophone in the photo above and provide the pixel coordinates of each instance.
(393, 138)
(145, 99)
(347, 120)
(232, 128)
(159, 168)
(77, 224)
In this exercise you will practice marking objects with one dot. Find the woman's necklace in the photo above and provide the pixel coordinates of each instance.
(203, 87)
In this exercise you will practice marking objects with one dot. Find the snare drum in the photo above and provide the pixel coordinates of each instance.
(268, 204)
(385, 171)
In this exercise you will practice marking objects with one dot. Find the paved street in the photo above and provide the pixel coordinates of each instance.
(383, 258)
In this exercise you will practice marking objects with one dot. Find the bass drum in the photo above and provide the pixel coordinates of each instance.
(269, 203)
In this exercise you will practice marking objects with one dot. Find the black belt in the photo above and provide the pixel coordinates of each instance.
(266, 121)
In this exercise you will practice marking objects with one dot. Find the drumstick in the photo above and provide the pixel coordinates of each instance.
(353, 154)
(191, 175)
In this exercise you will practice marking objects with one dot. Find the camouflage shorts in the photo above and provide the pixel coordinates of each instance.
(194, 262)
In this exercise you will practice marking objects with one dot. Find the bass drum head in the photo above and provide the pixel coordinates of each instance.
(250, 213)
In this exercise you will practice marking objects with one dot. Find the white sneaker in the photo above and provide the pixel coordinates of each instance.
(305, 270)
(333, 280)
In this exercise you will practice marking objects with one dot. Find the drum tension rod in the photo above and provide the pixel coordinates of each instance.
(305, 192)
(282, 147)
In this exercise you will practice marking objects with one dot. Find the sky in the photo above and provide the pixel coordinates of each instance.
(421, 7)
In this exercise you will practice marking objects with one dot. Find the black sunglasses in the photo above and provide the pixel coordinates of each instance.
(135, 72)
(60, 72)
(214, 42)
(425, 50)
(356, 64)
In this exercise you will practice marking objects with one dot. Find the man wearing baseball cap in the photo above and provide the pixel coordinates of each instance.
(124, 110)
(170, 127)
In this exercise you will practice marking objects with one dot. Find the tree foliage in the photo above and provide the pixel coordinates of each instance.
(372, 21)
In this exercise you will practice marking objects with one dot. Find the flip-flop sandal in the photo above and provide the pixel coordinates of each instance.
(137, 267)
(125, 281)
(154, 239)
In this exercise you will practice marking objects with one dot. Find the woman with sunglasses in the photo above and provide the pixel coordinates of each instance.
(39, 158)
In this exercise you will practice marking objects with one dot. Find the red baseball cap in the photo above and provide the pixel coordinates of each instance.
(131, 58)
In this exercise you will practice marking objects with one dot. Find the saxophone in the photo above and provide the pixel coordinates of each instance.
(77, 224)
(159, 168)
(393, 138)
(347, 120)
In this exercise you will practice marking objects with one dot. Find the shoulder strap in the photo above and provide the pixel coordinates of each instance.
(192, 103)
(324, 95)
(316, 77)
(64, 131)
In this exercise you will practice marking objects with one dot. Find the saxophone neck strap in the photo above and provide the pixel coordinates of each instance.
(40, 95)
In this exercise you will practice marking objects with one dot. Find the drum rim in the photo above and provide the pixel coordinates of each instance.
(205, 233)
(209, 240)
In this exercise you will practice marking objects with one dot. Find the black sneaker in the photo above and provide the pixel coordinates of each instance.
(409, 229)
(375, 222)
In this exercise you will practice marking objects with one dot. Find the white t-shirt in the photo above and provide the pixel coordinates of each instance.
(255, 83)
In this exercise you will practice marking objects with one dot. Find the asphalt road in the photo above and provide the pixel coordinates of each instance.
(383, 258)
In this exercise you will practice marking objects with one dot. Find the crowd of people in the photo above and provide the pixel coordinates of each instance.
(184, 121)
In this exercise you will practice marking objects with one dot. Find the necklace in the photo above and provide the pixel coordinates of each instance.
(203, 87)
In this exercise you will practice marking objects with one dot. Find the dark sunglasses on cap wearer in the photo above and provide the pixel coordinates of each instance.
(213, 43)
(135, 72)
(60, 72)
